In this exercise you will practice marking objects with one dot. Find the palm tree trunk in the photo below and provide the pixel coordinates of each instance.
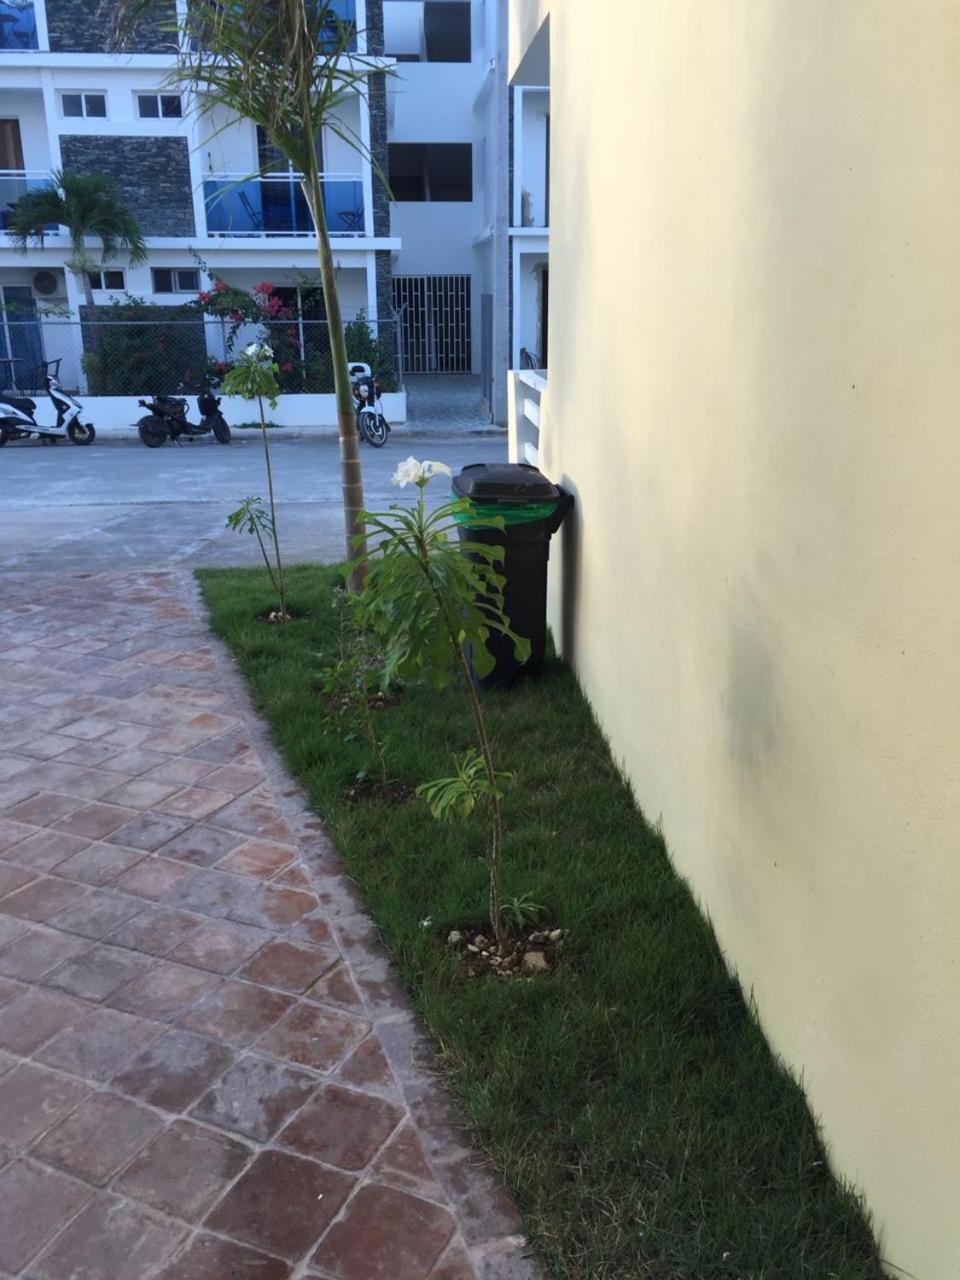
(350, 472)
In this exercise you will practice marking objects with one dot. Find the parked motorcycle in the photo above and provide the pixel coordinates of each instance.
(18, 413)
(372, 426)
(167, 419)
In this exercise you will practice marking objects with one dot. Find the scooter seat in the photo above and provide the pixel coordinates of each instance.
(19, 402)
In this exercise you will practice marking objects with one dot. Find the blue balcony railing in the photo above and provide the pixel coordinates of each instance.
(18, 25)
(275, 206)
(13, 184)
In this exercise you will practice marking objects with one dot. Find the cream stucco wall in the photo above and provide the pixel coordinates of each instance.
(756, 239)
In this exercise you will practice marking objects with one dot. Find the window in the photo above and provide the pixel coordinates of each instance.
(431, 170)
(106, 280)
(157, 106)
(79, 105)
(176, 280)
(427, 30)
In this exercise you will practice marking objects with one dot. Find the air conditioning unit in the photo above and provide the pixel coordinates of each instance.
(45, 283)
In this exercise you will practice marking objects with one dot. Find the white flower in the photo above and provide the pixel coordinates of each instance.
(413, 472)
(409, 471)
(436, 469)
(259, 351)
(426, 922)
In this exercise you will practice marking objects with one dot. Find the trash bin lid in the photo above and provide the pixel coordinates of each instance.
(505, 484)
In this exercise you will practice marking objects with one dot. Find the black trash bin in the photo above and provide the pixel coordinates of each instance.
(532, 509)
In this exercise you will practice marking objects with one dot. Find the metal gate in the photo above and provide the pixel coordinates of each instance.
(436, 323)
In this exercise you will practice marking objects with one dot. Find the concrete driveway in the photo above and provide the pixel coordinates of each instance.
(121, 506)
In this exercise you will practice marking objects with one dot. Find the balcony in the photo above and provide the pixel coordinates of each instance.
(13, 184)
(18, 25)
(275, 205)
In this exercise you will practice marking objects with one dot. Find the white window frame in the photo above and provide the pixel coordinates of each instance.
(157, 95)
(100, 273)
(83, 94)
(175, 281)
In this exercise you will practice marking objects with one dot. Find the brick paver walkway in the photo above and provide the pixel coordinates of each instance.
(207, 1069)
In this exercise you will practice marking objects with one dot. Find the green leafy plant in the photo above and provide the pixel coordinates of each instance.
(134, 346)
(430, 604)
(353, 686)
(521, 911)
(254, 377)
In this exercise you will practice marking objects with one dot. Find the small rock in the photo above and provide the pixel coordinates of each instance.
(535, 962)
(555, 935)
(481, 941)
(454, 938)
(471, 947)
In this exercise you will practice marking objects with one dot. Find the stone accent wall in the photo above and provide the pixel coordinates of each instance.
(377, 100)
(152, 173)
(374, 27)
(384, 276)
(87, 26)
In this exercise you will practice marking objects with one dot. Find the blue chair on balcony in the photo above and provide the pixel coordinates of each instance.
(352, 219)
(254, 215)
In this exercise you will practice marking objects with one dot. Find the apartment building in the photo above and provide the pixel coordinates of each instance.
(437, 124)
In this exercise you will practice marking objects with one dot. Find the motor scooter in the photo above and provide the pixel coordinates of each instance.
(372, 426)
(167, 419)
(17, 413)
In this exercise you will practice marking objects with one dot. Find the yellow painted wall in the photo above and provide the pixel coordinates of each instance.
(755, 394)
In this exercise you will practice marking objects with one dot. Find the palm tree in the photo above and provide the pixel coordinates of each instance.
(286, 65)
(88, 205)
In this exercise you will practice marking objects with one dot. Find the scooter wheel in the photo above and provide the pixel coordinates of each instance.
(374, 429)
(152, 432)
(81, 432)
(221, 429)
(4, 436)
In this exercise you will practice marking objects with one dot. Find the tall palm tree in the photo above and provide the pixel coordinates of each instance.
(88, 205)
(286, 65)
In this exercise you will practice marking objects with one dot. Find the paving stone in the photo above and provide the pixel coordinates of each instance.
(73, 779)
(98, 864)
(153, 878)
(337, 987)
(33, 1017)
(221, 948)
(14, 878)
(210, 1258)
(91, 754)
(11, 833)
(46, 849)
(97, 973)
(36, 953)
(100, 1044)
(237, 1012)
(342, 1127)
(95, 821)
(110, 1240)
(41, 899)
(281, 1204)
(46, 746)
(291, 966)
(185, 1170)
(224, 749)
(295, 878)
(10, 928)
(193, 802)
(273, 907)
(218, 894)
(180, 771)
(174, 1071)
(43, 809)
(315, 928)
(12, 766)
(140, 793)
(101, 1136)
(234, 778)
(32, 1100)
(8, 989)
(156, 930)
(255, 1097)
(87, 728)
(34, 1205)
(201, 846)
(163, 991)
(261, 859)
(149, 831)
(383, 1234)
(454, 1265)
(96, 914)
(403, 1164)
(314, 1037)
(14, 793)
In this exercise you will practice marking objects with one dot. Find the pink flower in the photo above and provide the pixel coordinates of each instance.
(219, 285)
(234, 315)
(203, 296)
(263, 288)
(286, 367)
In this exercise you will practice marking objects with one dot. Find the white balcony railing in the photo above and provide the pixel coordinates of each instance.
(528, 390)
(274, 205)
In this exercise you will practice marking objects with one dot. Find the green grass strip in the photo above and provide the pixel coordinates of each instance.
(629, 1098)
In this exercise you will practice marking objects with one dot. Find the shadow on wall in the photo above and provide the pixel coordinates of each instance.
(754, 716)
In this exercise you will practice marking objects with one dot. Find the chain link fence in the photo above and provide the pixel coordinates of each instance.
(149, 357)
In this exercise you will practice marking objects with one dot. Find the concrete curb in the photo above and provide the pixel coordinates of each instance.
(404, 431)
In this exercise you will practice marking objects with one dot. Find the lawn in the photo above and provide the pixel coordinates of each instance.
(628, 1097)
